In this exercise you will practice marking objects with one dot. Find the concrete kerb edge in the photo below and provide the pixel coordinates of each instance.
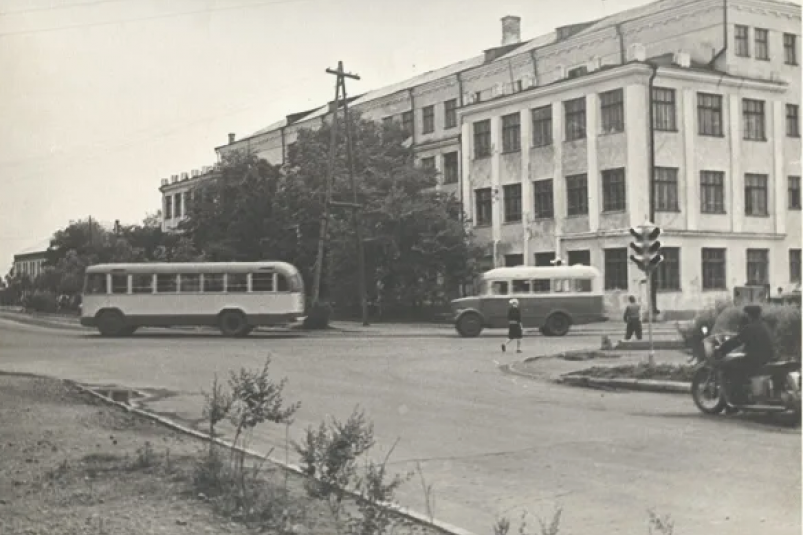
(645, 385)
(398, 509)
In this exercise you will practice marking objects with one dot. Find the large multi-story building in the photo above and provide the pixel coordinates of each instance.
(550, 144)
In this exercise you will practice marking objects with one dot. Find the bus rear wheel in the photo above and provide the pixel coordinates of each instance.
(233, 323)
(111, 323)
(557, 325)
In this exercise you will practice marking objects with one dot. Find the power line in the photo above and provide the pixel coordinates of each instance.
(154, 17)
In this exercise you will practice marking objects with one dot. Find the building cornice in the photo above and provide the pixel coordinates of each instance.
(36, 255)
(489, 69)
(619, 233)
(759, 7)
(436, 85)
(614, 73)
(721, 79)
(438, 143)
(670, 14)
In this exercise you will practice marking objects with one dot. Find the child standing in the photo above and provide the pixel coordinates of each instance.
(514, 331)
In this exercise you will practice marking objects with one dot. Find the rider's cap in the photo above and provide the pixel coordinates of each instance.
(752, 310)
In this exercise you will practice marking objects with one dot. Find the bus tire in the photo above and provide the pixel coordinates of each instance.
(128, 331)
(557, 324)
(233, 323)
(469, 325)
(111, 323)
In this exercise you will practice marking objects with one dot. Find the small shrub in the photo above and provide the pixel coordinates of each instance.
(783, 321)
(692, 333)
(42, 301)
(146, 458)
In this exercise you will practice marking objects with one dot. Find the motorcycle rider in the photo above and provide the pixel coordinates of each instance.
(758, 348)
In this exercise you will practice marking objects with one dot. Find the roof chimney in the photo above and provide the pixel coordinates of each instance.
(231, 139)
(511, 30)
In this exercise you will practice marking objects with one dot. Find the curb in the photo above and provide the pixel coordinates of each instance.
(444, 527)
(644, 385)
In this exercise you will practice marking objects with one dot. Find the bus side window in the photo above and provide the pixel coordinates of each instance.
(282, 283)
(541, 286)
(119, 284)
(499, 288)
(189, 283)
(521, 286)
(96, 284)
(141, 284)
(262, 282)
(561, 285)
(582, 285)
(236, 282)
(166, 284)
(213, 282)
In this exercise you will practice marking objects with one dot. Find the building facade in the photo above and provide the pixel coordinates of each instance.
(681, 111)
(29, 264)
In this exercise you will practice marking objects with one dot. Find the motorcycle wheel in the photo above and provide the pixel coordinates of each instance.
(707, 392)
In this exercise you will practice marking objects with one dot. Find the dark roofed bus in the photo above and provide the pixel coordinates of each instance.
(235, 297)
(551, 298)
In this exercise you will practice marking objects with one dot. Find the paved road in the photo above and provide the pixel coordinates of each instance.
(491, 444)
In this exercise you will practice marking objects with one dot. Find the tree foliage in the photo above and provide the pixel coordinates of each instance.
(418, 249)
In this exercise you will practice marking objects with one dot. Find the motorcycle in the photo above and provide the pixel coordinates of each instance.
(776, 389)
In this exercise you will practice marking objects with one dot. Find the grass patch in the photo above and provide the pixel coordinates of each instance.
(659, 372)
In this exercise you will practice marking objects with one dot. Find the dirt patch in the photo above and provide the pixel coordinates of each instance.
(72, 464)
(659, 372)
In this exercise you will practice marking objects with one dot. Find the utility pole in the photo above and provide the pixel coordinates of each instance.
(340, 87)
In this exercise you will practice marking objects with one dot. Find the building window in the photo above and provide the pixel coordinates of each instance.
(665, 189)
(758, 266)
(794, 265)
(428, 163)
(755, 195)
(577, 72)
(793, 191)
(428, 120)
(512, 260)
(664, 109)
(512, 194)
(542, 126)
(792, 120)
(450, 113)
(179, 206)
(613, 190)
(407, 123)
(482, 139)
(753, 119)
(387, 122)
(714, 269)
(544, 259)
(616, 269)
(579, 257)
(790, 48)
(612, 108)
(169, 207)
(511, 132)
(577, 194)
(762, 43)
(575, 111)
(668, 272)
(712, 192)
(742, 41)
(483, 203)
(709, 114)
(451, 170)
(544, 207)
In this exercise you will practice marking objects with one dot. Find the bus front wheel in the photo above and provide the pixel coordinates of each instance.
(111, 323)
(233, 323)
(469, 325)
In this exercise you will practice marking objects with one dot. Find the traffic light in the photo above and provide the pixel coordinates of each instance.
(647, 247)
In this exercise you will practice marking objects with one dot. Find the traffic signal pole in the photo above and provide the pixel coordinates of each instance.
(647, 257)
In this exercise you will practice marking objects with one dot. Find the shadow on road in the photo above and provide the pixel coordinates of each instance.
(201, 335)
(781, 423)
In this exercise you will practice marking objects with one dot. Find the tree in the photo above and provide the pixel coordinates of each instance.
(417, 246)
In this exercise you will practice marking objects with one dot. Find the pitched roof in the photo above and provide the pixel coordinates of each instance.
(40, 247)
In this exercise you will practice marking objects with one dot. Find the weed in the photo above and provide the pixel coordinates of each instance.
(660, 525)
(146, 458)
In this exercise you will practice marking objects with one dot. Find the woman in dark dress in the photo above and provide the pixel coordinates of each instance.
(514, 331)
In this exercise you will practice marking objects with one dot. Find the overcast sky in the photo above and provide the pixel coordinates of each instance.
(100, 99)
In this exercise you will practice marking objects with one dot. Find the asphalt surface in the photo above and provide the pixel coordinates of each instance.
(491, 444)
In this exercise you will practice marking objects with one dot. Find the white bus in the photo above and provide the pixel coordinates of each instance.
(235, 297)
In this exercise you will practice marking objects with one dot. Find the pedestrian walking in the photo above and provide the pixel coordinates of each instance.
(632, 318)
(514, 331)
